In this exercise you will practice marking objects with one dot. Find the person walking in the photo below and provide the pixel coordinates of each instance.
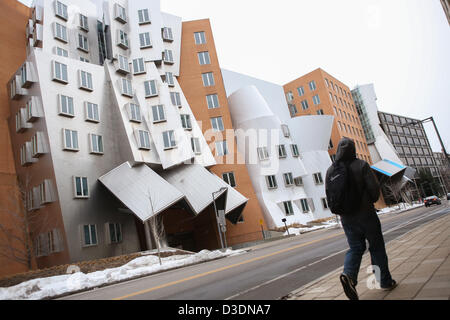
(352, 189)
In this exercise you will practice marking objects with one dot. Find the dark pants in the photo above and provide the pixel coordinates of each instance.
(357, 231)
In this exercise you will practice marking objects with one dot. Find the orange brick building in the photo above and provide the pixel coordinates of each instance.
(14, 18)
(320, 93)
(210, 106)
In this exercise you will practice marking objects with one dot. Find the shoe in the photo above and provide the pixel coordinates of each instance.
(349, 287)
(391, 286)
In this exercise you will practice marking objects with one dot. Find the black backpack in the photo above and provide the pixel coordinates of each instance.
(343, 195)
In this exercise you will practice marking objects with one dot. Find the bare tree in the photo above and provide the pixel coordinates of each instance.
(156, 226)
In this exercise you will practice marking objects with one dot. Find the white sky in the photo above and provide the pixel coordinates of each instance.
(401, 46)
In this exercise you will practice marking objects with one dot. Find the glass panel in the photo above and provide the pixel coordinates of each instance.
(93, 234)
(87, 238)
(85, 187)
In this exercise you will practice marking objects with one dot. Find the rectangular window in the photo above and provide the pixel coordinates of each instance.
(186, 121)
(150, 89)
(60, 72)
(144, 16)
(81, 187)
(263, 153)
(212, 101)
(320, 112)
(158, 113)
(144, 140)
(175, 97)
(288, 179)
(70, 139)
(288, 210)
(138, 66)
(204, 58)
(285, 130)
(96, 144)
(62, 52)
(92, 113)
(123, 40)
(123, 64)
(83, 43)
(293, 110)
(84, 22)
(195, 144)
(298, 181)
(316, 99)
(121, 14)
(127, 89)
(282, 151)
(228, 177)
(271, 182)
(144, 40)
(289, 96)
(221, 148)
(208, 79)
(305, 105)
(301, 91)
(169, 140)
(318, 178)
(135, 112)
(61, 10)
(217, 124)
(304, 204)
(312, 85)
(90, 235)
(115, 232)
(66, 106)
(167, 34)
(84, 60)
(169, 79)
(86, 81)
(200, 37)
(324, 203)
(168, 56)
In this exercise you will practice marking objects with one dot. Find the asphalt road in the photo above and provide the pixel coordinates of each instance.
(267, 272)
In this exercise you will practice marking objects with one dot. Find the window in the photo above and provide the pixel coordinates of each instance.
(144, 40)
(150, 89)
(169, 79)
(82, 59)
(221, 148)
(84, 22)
(115, 232)
(62, 52)
(312, 85)
(60, 72)
(169, 140)
(61, 10)
(123, 40)
(320, 112)
(135, 112)
(195, 144)
(167, 34)
(168, 56)
(92, 113)
(289, 96)
(288, 210)
(121, 14)
(288, 179)
(123, 64)
(90, 235)
(212, 101)
(186, 121)
(298, 181)
(301, 91)
(158, 113)
(285, 130)
(81, 187)
(282, 151)
(208, 79)
(138, 66)
(37, 145)
(70, 139)
(45, 192)
(324, 203)
(318, 178)
(304, 204)
(305, 105)
(228, 177)
(96, 144)
(66, 106)
(263, 153)
(127, 89)
(175, 97)
(86, 81)
(144, 16)
(327, 83)
(83, 43)
(294, 149)
(217, 124)
(316, 99)
(143, 140)
(271, 182)
(203, 58)
(293, 109)
(200, 37)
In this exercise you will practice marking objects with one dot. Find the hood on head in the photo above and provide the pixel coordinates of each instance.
(346, 150)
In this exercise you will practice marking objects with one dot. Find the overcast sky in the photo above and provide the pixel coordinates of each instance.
(401, 46)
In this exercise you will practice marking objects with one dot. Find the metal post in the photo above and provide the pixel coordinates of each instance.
(217, 221)
(440, 141)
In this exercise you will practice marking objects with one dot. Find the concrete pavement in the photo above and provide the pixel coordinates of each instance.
(419, 261)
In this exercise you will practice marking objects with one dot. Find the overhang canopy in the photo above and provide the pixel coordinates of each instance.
(388, 168)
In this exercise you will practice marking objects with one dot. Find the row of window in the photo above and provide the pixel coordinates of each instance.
(290, 181)
(409, 131)
(305, 204)
(342, 102)
(338, 89)
(408, 141)
(263, 152)
(90, 236)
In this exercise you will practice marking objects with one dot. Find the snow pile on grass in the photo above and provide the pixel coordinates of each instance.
(324, 225)
(41, 288)
(400, 207)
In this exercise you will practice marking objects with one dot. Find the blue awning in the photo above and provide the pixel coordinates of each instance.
(388, 167)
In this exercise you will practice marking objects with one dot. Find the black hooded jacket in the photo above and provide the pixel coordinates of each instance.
(363, 176)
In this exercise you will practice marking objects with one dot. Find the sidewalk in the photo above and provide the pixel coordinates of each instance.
(419, 261)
